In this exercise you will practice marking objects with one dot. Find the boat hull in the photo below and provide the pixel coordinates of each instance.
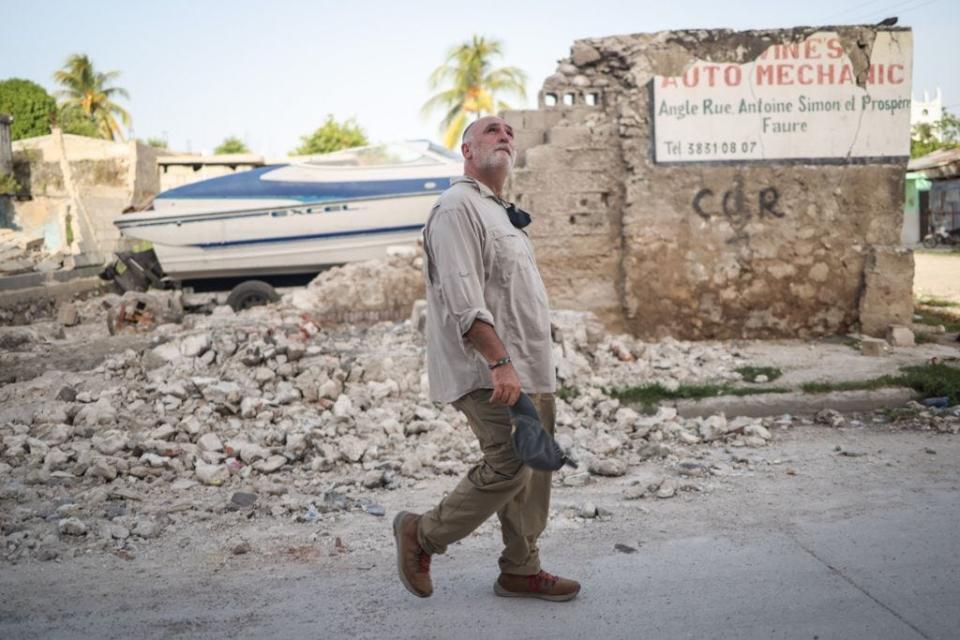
(279, 240)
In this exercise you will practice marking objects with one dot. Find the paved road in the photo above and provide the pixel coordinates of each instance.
(892, 573)
(937, 275)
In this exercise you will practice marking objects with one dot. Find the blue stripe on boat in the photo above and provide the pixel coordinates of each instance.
(315, 236)
(249, 184)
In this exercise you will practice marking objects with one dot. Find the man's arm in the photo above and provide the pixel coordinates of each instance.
(506, 383)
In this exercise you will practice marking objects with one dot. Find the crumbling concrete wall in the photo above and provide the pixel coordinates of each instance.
(759, 247)
(109, 177)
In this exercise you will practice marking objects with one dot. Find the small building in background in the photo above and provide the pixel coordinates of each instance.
(175, 170)
(927, 111)
(932, 194)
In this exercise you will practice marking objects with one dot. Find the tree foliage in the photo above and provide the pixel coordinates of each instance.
(472, 86)
(332, 136)
(942, 134)
(30, 105)
(93, 93)
(231, 144)
(8, 185)
(157, 143)
(71, 119)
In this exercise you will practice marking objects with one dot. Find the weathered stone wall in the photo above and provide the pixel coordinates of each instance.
(759, 249)
(109, 177)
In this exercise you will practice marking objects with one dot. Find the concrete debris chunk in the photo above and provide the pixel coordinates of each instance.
(899, 336)
(668, 489)
(830, 417)
(211, 474)
(610, 467)
(873, 347)
(195, 345)
(72, 527)
(210, 442)
(68, 315)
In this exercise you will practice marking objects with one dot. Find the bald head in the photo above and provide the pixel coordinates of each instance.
(468, 132)
(482, 123)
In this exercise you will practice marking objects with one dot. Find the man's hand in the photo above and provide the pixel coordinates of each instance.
(506, 385)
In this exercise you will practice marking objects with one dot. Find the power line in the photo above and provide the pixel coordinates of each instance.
(893, 9)
(922, 4)
(849, 9)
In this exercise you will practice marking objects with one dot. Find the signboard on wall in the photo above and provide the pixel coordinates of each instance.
(797, 100)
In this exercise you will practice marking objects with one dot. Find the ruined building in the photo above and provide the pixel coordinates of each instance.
(719, 184)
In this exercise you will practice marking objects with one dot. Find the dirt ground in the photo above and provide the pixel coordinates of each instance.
(937, 275)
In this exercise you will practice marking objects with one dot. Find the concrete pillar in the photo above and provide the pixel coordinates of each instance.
(6, 144)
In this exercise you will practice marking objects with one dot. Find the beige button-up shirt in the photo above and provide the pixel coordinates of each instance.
(480, 267)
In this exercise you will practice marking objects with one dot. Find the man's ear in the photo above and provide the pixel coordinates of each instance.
(464, 148)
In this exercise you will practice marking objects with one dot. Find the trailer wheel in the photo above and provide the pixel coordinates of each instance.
(251, 293)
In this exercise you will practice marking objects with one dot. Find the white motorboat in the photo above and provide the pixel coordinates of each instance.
(298, 217)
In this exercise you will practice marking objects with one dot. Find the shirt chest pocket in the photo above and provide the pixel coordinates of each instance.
(513, 254)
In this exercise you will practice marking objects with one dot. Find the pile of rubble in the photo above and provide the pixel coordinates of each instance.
(270, 398)
(364, 291)
(23, 253)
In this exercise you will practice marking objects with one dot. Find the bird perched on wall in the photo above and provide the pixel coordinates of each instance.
(888, 22)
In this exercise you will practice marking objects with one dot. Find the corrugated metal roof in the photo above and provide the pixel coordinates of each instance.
(943, 163)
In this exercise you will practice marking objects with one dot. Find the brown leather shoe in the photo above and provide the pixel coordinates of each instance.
(412, 561)
(541, 585)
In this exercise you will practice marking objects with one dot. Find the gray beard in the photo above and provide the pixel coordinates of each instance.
(495, 161)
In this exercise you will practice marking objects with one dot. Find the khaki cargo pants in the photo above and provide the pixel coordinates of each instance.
(499, 484)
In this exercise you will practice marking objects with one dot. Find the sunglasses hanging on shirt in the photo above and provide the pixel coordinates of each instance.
(518, 217)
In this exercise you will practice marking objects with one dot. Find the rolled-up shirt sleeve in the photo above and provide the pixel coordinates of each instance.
(454, 246)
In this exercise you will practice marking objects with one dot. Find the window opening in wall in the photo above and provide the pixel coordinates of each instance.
(550, 99)
(569, 99)
(592, 99)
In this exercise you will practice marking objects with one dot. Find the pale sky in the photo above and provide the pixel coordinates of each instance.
(268, 72)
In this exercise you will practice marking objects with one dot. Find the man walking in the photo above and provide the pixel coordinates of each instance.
(488, 338)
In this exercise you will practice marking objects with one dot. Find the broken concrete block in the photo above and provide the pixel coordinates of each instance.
(900, 336)
(887, 297)
(211, 474)
(67, 315)
(210, 442)
(872, 346)
(195, 345)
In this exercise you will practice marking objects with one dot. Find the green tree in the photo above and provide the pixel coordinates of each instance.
(231, 144)
(471, 86)
(30, 105)
(71, 119)
(157, 143)
(332, 136)
(942, 134)
(93, 93)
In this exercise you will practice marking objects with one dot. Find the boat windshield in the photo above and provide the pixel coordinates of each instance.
(410, 153)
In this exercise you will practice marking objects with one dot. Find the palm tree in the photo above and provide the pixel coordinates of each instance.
(472, 86)
(90, 91)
